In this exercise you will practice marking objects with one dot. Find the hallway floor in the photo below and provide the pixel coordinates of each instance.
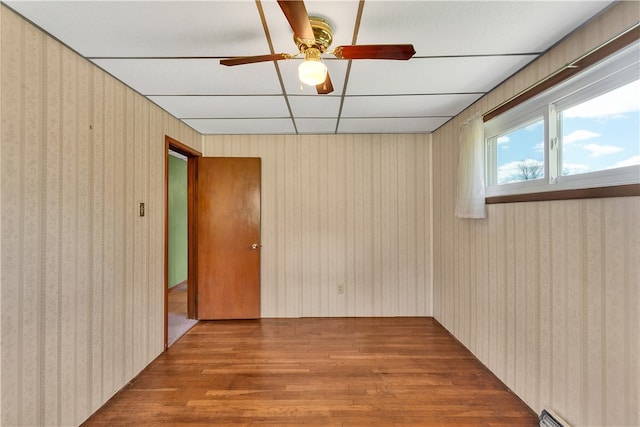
(178, 322)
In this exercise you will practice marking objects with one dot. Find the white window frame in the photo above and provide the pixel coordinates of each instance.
(617, 70)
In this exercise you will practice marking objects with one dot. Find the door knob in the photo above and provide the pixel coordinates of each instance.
(255, 246)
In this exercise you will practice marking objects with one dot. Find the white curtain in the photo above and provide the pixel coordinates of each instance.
(470, 185)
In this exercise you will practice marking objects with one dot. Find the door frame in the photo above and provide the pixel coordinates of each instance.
(192, 157)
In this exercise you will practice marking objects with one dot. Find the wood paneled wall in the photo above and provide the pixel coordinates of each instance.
(82, 274)
(546, 294)
(351, 210)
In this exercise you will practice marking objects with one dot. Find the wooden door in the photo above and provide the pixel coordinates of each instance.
(228, 238)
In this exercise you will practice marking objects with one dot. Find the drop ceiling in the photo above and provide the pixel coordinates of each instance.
(170, 51)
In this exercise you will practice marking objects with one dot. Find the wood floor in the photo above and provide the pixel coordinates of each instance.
(316, 371)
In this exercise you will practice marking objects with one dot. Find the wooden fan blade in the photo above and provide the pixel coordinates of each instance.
(296, 14)
(375, 51)
(325, 87)
(253, 59)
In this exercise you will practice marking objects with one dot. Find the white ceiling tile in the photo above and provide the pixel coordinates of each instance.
(431, 76)
(390, 125)
(315, 106)
(151, 28)
(223, 106)
(316, 126)
(241, 126)
(473, 27)
(193, 76)
(406, 106)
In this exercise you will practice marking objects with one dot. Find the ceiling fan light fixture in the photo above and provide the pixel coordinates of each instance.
(313, 35)
(312, 71)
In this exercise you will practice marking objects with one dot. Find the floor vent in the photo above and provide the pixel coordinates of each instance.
(549, 419)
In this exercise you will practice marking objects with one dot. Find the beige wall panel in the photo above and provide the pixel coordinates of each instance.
(69, 201)
(350, 210)
(97, 239)
(31, 244)
(83, 239)
(1, 163)
(139, 279)
(82, 284)
(11, 201)
(545, 294)
(115, 214)
(136, 151)
(129, 221)
(111, 111)
(155, 211)
(52, 214)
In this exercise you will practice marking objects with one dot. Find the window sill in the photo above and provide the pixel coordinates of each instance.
(583, 193)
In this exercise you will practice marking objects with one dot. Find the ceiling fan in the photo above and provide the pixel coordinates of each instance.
(313, 36)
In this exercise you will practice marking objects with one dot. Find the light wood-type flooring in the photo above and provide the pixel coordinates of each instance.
(316, 371)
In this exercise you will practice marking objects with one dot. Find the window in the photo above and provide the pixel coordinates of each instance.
(582, 133)
(519, 153)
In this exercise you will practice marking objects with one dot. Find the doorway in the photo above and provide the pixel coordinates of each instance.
(179, 281)
(223, 244)
(177, 318)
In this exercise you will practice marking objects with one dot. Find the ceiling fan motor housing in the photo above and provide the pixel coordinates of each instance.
(321, 31)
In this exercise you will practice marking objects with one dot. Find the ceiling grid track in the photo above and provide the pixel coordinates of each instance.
(354, 40)
(275, 63)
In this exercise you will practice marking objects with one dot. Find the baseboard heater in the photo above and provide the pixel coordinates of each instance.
(549, 419)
